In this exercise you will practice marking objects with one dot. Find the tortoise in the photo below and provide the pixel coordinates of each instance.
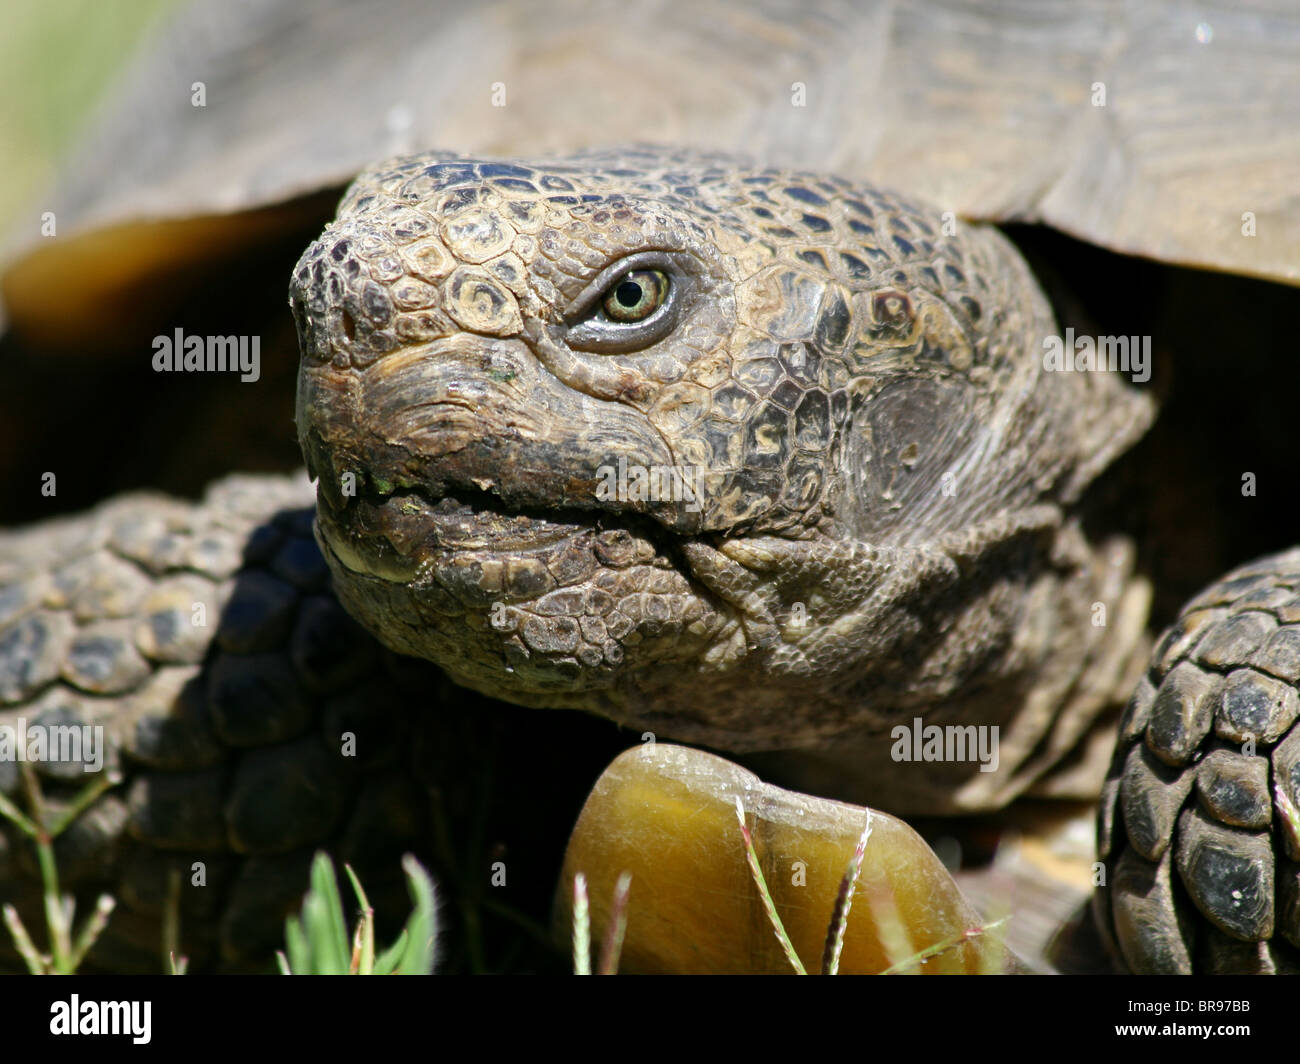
(867, 495)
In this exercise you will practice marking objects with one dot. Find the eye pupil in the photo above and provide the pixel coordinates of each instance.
(628, 293)
(635, 296)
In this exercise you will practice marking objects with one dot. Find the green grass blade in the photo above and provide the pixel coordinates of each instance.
(843, 904)
(36, 964)
(295, 943)
(101, 783)
(422, 926)
(581, 927)
(92, 929)
(363, 939)
(612, 948)
(327, 931)
(951, 942)
(18, 818)
(769, 906)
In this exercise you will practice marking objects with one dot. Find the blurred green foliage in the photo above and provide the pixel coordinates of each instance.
(57, 60)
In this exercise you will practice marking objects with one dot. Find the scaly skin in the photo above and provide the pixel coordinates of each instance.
(1198, 824)
(886, 521)
(888, 524)
(204, 641)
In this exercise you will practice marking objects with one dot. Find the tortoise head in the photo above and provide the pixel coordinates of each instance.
(663, 436)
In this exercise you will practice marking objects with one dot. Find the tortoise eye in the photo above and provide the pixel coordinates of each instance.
(636, 295)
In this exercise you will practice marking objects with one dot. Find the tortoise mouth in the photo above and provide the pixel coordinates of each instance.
(406, 536)
(481, 548)
(473, 519)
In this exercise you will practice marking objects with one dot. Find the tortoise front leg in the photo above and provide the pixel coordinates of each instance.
(1198, 828)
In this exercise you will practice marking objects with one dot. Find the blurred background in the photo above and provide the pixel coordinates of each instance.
(57, 58)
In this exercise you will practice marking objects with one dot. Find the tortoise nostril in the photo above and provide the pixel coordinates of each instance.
(349, 327)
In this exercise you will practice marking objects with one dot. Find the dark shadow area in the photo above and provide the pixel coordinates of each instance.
(1225, 378)
(98, 415)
